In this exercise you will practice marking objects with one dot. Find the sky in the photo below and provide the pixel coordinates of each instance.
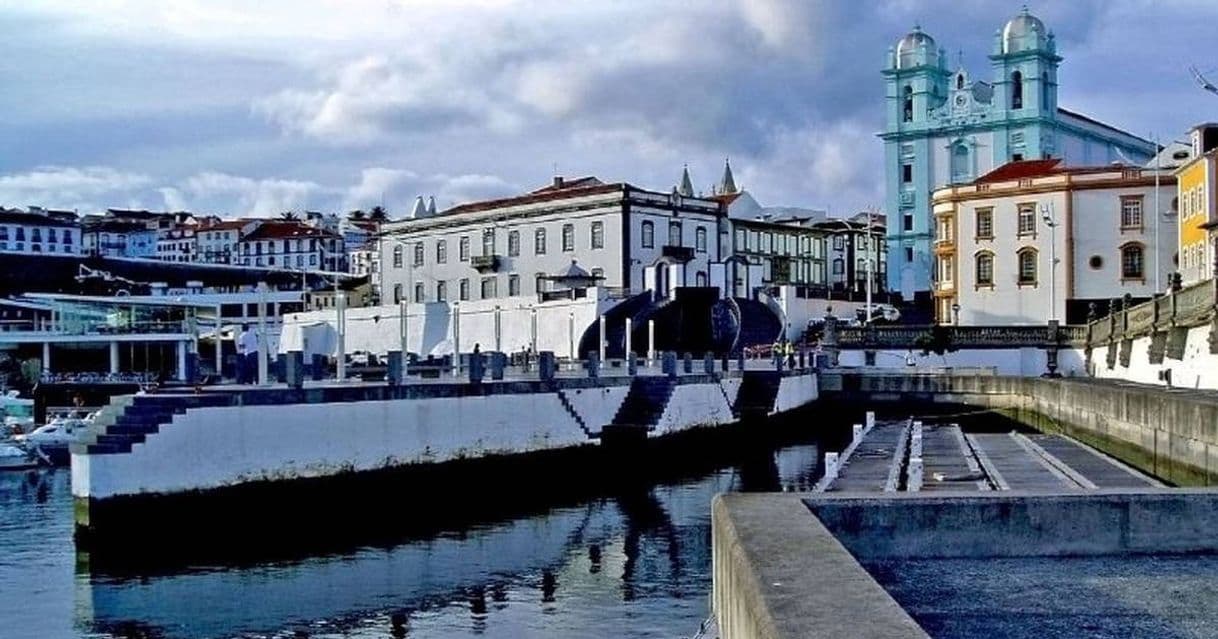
(236, 108)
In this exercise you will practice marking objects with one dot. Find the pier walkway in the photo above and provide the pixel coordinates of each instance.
(912, 457)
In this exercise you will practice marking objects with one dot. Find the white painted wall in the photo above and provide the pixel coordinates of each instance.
(1198, 369)
(693, 405)
(430, 327)
(795, 391)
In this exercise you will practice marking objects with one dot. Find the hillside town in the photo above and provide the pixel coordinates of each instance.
(598, 402)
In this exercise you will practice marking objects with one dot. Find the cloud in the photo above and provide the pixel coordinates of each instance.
(68, 187)
(245, 196)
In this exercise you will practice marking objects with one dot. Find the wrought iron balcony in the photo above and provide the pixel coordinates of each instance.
(679, 253)
(486, 263)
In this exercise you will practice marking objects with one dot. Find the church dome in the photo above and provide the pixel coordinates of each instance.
(909, 46)
(1024, 32)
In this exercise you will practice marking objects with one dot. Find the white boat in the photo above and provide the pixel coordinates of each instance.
(16, 458)
(53, 438)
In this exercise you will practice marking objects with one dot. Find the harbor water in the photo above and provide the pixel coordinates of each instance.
(629, 559)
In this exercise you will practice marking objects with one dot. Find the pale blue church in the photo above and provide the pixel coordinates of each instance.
(943, 127)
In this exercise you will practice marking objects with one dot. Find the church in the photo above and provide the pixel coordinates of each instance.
(944, 127)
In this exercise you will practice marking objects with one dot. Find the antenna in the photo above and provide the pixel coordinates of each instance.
(1204, 83)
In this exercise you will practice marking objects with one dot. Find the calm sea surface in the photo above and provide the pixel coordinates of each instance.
(634, 564)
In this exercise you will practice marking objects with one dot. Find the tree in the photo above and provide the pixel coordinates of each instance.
(378, 214)
(289, 216)
(357, 214)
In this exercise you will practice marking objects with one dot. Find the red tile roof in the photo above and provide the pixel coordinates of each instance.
(283, 230)
(1020, 170)
(561, 183)
(531, 198)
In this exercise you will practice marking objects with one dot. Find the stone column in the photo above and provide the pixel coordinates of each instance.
(114, 358)
(46, 357)
(181, 367)
(629, 351)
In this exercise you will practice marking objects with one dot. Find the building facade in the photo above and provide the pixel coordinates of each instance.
(788, 252)
(112, 238)
(998, 238)
(514, 246)
(217, 240)
(849, 244)
(36, 232)
(291, 244)
(1198, 230)
(179, 244)
(943, 127)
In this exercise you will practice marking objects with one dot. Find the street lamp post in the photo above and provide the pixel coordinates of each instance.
(1048, 215)
(956, 314)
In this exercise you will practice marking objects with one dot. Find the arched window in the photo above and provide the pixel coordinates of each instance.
(700, 239)
(984, 269)
(907, 104)
(1046, 101)
(1027, 266)
(1132, 262)
(960, 163)
(702, 279)
(397, 256)
(649, 235)
(674, 234)
(1017, 90)
(960, 81)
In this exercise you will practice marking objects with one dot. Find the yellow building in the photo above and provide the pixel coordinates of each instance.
(1195, 189)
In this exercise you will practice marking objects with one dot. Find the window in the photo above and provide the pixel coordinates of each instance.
(1046, 101)
(649, 235)
(700, 240)
(442, 252)
(490, 288)
(488, 242)
(36, 235)
(674, 234)
(20, 235)
(985, 224)
(740, 241)
(397, 255)
(1131, 212)
(463, 290)
(961, 167)
(51, 236)
(418, 293)
(513, 285)
(960, 81)
(906, 173)
(985, 269)
(838, 266)
(907, 104)
(907, 222)
(463, 249)
(598, 274)
(838, 243)
(1017, 90)
(701, 279)
(1132, 260)
(539, 242)
(909, 254)
(598, 235)
(441, 291)
(418, 254)
(1027, 266)
(539, 282)
(397, 293)
(1027, 219)
(568, 237)
(513, 243)
(1017, 157)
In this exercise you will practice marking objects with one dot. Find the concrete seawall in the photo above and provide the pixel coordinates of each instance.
(1172, 434)
(261, 436)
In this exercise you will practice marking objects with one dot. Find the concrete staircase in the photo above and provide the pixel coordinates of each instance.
(130, 420)
(566, 404)
(645, 402)
(758, 391)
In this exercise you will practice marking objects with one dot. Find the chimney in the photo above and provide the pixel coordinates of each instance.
(558, 181)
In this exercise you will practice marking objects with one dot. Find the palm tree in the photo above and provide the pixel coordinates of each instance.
(357, 214)
(378, 214)
(288, 216)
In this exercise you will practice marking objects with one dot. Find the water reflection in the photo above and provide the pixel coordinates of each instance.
(623, 561)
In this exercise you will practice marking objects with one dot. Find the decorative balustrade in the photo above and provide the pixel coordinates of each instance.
(1188, 307)
(911, 336)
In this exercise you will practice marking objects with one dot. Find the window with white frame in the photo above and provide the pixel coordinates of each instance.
(539, 242)
(418, 293)
(418, 254)
(463, 248)
(700, 240)
(397, 255)
(1132, 262)
(1027, 265)
(513, 285)
(597, 238)
(513, 243)
(568, 238)
(463, 289)
(985, 269)
(674, 234)
(442, 251)
(648, 239)
(1131, 212)
(1027, 219)
(985, 223)
(488, 242)
(490, 288)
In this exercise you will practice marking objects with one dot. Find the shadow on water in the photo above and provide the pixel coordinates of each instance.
(406, 541)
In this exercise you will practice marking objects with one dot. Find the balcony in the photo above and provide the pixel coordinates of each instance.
(679, 253)
(486, 263)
